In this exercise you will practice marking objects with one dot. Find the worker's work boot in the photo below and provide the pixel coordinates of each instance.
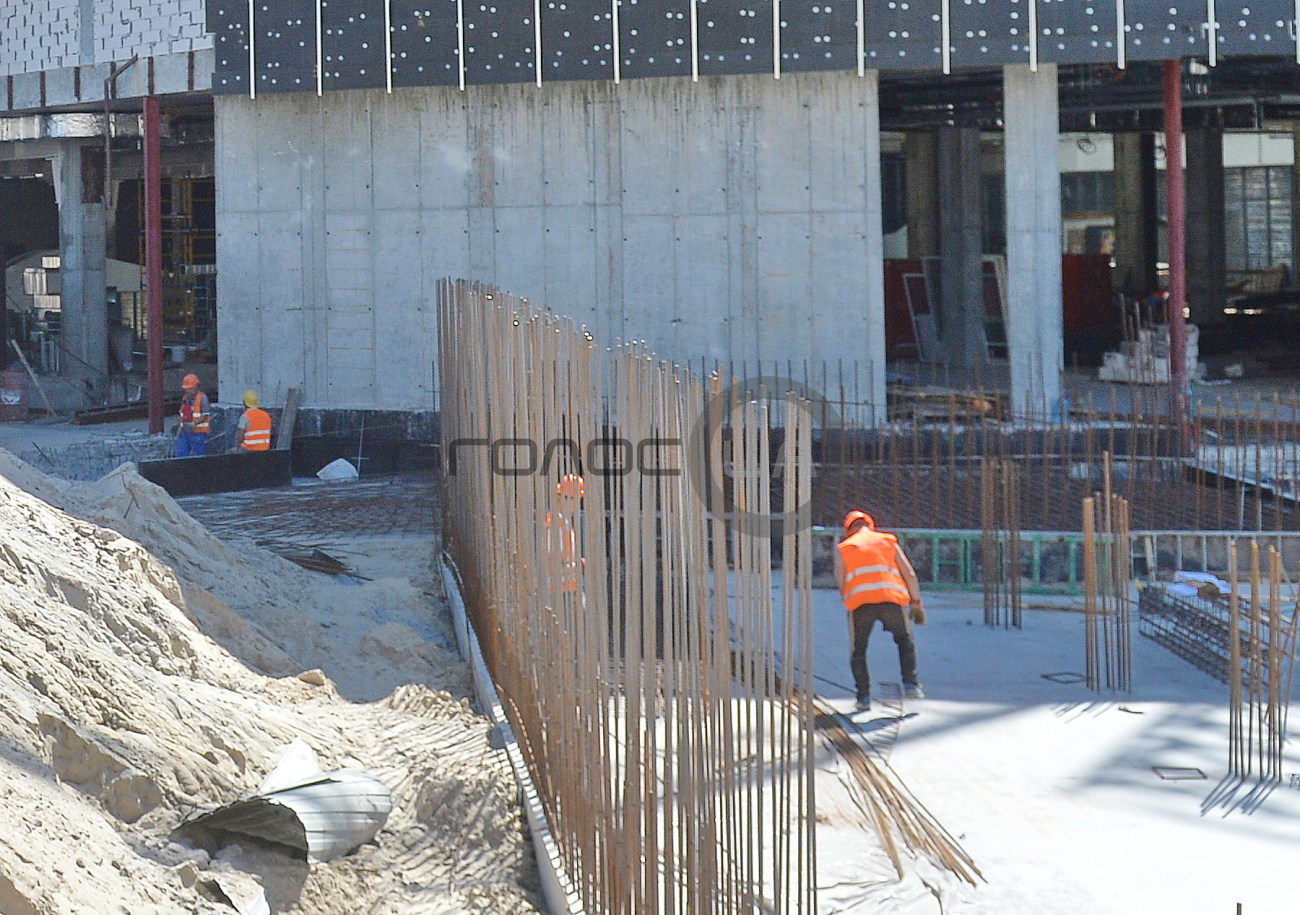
(913, 691)
(863, 704)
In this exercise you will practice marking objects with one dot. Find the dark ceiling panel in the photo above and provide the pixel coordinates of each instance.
(989, 32)
(1163, 29)
(352, 44)
(285, 47)
(1257, 28)
(735, 36)
(655, 38)
(229, 25)
(819, 35)
(424, 43)
(1077, 31)
(577, 40)
(499, 41)
(903, 34)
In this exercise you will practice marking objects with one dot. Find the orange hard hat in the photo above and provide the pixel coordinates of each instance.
(190, 381)
(571, 485)
(855, 516)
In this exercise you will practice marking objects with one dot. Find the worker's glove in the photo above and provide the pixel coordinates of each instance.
(917, 613)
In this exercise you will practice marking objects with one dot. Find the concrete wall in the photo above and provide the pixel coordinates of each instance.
(726, 219)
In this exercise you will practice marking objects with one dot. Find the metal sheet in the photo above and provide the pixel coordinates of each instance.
(1078, 31)
(903, 34)
(228, 22)
(352, 36)
(1263, 27)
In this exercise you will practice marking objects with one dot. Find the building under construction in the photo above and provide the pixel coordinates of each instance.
(1019, 275)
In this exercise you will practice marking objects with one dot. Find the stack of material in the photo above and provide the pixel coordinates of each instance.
(1146, 359)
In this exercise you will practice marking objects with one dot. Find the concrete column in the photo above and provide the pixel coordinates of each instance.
(921, 154)
(1206, 255)
(1034, 303)
(959, 314)
(875, 251)
(79, 171)
(1295, 203)
(1136, 235)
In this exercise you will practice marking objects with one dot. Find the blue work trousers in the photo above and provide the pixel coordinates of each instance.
(191, 444)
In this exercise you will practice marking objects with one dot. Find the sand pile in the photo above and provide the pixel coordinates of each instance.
(138, 684)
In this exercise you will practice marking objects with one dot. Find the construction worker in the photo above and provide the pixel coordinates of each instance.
(877, 582)
(254, 430)
(195, 419)
(564, 557)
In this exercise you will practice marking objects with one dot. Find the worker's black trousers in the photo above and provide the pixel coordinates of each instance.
(894, 619)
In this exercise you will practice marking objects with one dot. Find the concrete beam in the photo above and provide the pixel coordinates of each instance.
(1035, 341)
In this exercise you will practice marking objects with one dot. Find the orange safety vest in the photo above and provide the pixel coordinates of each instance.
(566, 565)
(257, 437)
(195, 412)
(871, 574)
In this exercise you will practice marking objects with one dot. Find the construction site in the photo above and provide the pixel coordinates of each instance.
(581, 331)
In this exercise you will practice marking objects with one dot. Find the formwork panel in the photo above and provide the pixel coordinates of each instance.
(1265, 27)
(1078, 31)
(228, 22)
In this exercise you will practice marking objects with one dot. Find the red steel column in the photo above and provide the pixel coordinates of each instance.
(153, 260)
(1175, 194)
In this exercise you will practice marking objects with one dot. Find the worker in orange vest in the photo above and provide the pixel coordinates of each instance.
(195, 419)
(565, 561)
(877, 582)
(254, 430)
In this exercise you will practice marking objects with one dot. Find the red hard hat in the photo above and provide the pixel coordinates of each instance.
(571, 485)
(855, 516)
(190, 381)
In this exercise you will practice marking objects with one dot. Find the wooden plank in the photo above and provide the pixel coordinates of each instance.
(288, 419)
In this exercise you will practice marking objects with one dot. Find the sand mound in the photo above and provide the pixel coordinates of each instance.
(134, 688)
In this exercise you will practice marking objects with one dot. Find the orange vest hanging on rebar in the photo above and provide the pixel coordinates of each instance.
(565, 565)
(871, 574)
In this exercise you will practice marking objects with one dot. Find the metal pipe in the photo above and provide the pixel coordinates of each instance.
(1175, 194)
(153, 259)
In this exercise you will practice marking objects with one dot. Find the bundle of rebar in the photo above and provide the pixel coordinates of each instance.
(1260, 668)
(1000, 554)
(1107, 577)
(613, 519)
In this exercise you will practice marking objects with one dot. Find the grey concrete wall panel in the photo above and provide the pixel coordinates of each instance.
(1163, 29)
(285, 46)
(1078, 31)
(735, 36)
(818, 35)
(500, 42)
(353, 37)
(424, 43)
(690, 215)
(1263, 27)
(902, 35)
(655, 38)
(228, 23)
(577, 40)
